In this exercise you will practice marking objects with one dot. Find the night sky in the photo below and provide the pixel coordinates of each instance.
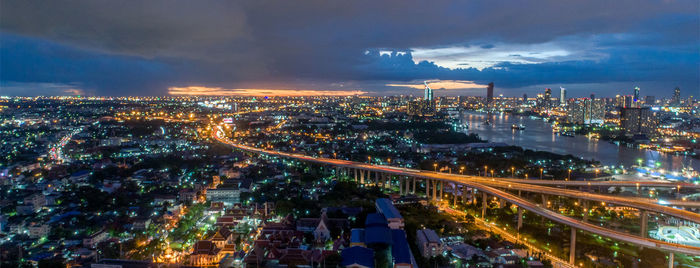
(123, 48)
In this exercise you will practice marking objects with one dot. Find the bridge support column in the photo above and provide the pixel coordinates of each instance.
(572, 249)
(442, 187)
(501, 203)
(644, 215)
(454, 195)
(400, 187)
(474, 196)
(544, 201)
(670, 260)
(388, 180)
(464, 194)
(427, 188)
(435, 185)
(354, 171)
(414, 186)
(520, 218)
(408, 185)
(484, 201)
(362, 177)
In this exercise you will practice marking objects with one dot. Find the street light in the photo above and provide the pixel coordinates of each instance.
(512, 172)
(541, 171)
(461, 170)
(435, 166)
(569, 178)
(486, 169)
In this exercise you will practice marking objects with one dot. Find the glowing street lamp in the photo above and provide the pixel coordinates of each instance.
(435, 166)
(541, 171)
(512, 172)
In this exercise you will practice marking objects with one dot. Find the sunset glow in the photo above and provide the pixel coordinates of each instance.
(443, 84)
(217, 91)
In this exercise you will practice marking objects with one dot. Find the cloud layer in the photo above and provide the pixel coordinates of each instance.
(146, 47)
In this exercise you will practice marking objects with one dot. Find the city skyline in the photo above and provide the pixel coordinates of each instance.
(349, 134)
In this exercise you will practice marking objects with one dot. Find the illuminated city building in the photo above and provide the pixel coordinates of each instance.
(562, 96)
(637, 120)
(586, 111)
(676, 96)
(489, 93)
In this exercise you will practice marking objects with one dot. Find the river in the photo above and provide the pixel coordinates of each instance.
(538, 135)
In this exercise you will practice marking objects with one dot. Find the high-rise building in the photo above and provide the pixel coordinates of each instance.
(636, 94)
(547, 98)
(676, 96)
(428, 94)
(489, 93)
(562, 96)
(625, 101)
(638, 120)
(524, 97)
(539, 100)
(619, 101)
(421, 108)
(586, 111)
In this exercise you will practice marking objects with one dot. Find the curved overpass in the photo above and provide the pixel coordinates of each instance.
(635, 202)
(525, 204)
(682, 185)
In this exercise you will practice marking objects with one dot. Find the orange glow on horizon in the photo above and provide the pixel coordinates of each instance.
(443, 84)
(217, 91)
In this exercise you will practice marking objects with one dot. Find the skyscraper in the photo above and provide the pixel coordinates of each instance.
(562, 96)
(547, 98)
(428, 94)
(636, 94)
(489, 93)
(524, 97)
(586, 111)
(638, 120)
(677, 96)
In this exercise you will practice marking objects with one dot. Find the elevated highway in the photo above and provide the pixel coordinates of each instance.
(489, 188)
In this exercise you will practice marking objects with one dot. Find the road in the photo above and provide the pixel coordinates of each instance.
(556, 261)
(470, 181)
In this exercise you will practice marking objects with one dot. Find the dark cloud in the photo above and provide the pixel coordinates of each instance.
(143, 47)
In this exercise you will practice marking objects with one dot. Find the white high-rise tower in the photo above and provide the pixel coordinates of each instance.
(562, 96)
(428, 94)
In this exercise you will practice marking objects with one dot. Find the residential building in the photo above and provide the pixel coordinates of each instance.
(392, 215)
(428, 243)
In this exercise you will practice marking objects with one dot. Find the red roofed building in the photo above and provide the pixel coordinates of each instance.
(205, 253)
